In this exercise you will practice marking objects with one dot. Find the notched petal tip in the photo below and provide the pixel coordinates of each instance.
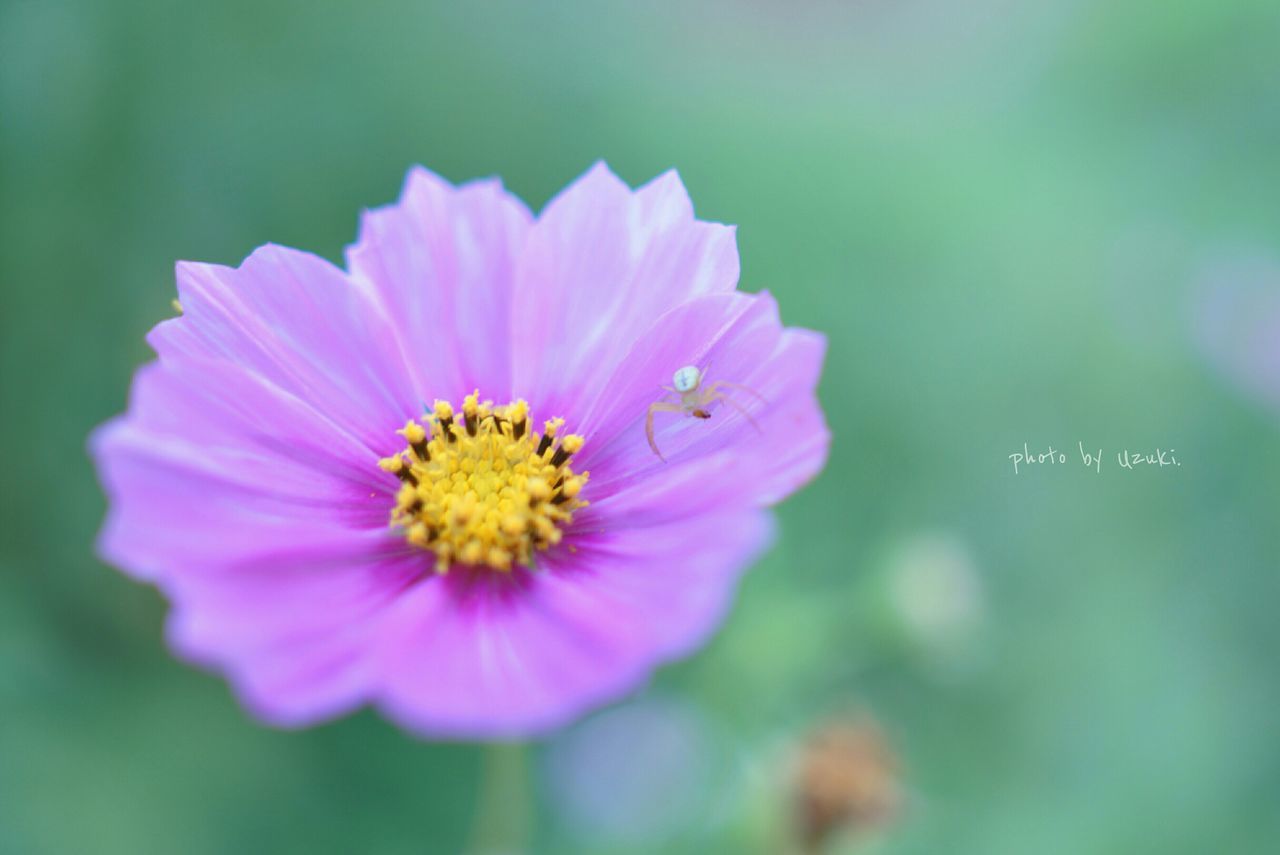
(196, 278)
(420, 181)
(427, 196)
(666, 197)
(599, 184)
(599, 168)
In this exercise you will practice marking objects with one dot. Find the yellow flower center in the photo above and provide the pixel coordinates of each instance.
(487, 490)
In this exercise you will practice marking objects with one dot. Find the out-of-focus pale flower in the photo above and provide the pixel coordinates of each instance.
(638, 774)
(1236, 321)
(936, 591)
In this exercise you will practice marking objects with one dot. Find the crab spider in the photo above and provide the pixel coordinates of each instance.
(694, 400)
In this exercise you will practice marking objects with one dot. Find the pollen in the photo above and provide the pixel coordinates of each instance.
(483, 489)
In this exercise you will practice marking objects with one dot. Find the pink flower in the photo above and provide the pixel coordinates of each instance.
(308, 474)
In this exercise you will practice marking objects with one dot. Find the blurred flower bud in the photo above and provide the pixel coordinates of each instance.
(846, 778)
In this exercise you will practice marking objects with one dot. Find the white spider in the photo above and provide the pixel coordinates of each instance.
(694, 400)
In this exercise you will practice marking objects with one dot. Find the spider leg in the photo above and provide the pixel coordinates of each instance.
(720, 396)
(659, 407)
(728, 385)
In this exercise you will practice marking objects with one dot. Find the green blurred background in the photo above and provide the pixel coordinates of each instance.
(1010, 218)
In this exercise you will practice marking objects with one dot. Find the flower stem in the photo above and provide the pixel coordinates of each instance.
(503, 816)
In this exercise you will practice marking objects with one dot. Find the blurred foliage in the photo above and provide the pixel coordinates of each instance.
(996, 210)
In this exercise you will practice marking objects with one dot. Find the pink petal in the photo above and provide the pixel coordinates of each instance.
(723, 460)
(601, 265)
(496, 656)
(293, 634)
(176, 508)
(301, 324)
(441, 262)
(214, 464)
(225, 410)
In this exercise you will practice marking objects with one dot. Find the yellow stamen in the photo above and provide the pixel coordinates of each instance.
(485, 491)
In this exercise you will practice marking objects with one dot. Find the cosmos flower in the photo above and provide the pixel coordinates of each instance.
(423, 482)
